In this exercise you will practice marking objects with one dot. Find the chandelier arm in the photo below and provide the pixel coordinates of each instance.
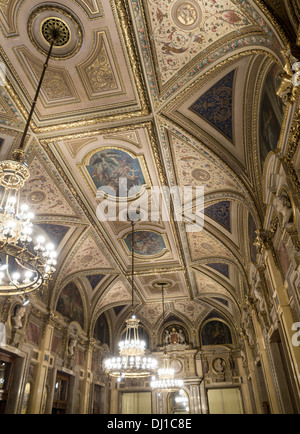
(15, 220)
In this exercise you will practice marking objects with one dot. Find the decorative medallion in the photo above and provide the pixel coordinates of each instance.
(200, 175)
(219, 365)
(46, 19)
(36, 197)
(54, 24)
(187, 15)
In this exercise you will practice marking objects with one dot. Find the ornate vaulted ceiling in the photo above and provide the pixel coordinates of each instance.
(163, 92)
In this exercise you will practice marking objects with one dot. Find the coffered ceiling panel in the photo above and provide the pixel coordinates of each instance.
(86, 78)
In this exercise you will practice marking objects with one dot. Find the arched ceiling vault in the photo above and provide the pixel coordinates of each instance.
(163, 93)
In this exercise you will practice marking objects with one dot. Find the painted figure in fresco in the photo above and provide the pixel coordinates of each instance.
(216, 333)
(109, 166)
(70, 304)
(146, 243)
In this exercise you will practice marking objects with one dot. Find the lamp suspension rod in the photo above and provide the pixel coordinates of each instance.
(163, 303)
(132, 260)
(55, 36)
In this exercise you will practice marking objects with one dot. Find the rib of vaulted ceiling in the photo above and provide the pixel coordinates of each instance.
(177, 88)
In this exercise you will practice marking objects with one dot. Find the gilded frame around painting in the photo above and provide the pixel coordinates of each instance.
(117, 162)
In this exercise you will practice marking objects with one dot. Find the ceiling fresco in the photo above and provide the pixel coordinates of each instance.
(157, 93)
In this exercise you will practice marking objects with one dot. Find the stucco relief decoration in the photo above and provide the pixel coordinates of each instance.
(7, 9)
(42, 194)
(183, 29)
(207, 286)
(190, 309)
(57, 84)
(88, 256)
(175, 335)
(203, 245)
(97, 72)
(151, 313)
(193, 168)
(284, 208)
(116, 294)
(290, 81)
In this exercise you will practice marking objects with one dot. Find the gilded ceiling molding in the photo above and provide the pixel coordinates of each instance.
(57, 87)
(254, 139)
(250, 95)
(115, 294)
(167, 125)
(45, 143)
(93, 8)
(262, 39)
(209, 287)
(293, 144)
(45, 175)
(192, 36)
(239, 267)
(69, 27)
(62, 280)
(219, 280)
(266, 11)
(9, 10)
(170, 170)
(15, 139)
(157, 271)
(225, 240)
(96, 72)
(93, 121)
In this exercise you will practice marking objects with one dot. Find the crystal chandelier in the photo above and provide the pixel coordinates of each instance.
(24, 265)
(166, 375)
(132, 361)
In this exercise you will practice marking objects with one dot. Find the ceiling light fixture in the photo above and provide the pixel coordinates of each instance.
(166, 375)
(132, 361)
(24, 265)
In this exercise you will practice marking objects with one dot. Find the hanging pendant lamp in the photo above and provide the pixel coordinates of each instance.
(166, 375)
(132, 362)
(25, 264)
